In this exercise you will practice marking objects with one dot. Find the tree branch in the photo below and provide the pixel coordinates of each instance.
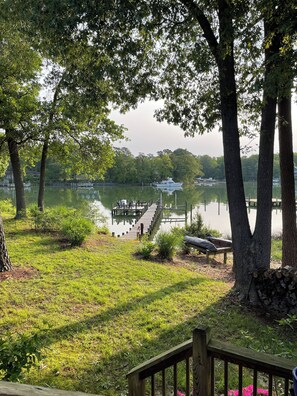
(208, 33)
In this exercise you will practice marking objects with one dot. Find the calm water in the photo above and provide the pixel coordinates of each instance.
(209, 201)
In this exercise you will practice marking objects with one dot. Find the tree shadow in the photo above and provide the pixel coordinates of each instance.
(107, 376)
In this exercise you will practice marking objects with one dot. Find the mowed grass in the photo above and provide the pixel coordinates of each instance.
(99, 310)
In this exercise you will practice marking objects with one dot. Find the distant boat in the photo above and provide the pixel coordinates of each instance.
(205, 181)
(168, 185)
(85, 185)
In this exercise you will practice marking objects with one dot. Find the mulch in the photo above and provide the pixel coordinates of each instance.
(19, 273)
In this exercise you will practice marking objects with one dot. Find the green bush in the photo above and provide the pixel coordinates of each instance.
(17, 353)
(7, 207)
(146, 248)
(76, 229)
(50, 219)
(103, 229)
(167, 244)
(198, 229)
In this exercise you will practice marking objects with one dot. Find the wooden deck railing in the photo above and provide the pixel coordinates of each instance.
(197, 366)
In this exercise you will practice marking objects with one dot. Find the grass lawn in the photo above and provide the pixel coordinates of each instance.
(99, 310)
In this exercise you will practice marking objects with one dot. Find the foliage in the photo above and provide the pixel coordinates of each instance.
(69, 222)
(76, 230)
(18, 353)
(6, 207)
(198, 228)
(167, 244)
(50, 219)
(145, 248)
(289, 321)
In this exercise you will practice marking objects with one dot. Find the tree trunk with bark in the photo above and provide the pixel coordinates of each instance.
(289, 237)
(41, 190)
(251, 251)
(5, 263)
(18, 177)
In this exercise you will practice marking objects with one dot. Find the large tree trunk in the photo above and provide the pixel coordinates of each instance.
(5, 264)
(250, 251)
(42, 176)
(289, 238)
(18, 177)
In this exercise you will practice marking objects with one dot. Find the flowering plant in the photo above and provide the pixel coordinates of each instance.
(248, 391)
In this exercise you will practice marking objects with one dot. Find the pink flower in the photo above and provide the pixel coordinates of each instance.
(178, 393)
(248, 391)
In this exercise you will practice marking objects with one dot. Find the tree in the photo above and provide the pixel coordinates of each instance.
(124, 169)
(287, 29)
(5, 263)
(19, 68)
(191, 54)
(209, 165)
(163, 166)
(186, 167)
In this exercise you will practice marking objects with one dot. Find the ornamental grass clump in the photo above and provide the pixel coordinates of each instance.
(167, 244)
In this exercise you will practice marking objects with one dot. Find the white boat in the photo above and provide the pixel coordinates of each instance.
(168, 185)
(84, 185)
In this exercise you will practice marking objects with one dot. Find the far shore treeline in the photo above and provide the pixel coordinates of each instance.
(179, 164)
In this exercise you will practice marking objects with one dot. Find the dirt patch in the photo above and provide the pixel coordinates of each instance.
(215, 269)
(18, 273)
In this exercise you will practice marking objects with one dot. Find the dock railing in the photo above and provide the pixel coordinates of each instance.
(205, 367)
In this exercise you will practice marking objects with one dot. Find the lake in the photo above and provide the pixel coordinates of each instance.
(210, 201)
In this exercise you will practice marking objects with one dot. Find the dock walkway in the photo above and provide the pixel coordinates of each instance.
(146, 219)
(253, 203)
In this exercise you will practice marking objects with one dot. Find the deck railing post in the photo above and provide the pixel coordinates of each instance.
(201, 363)
(136, 386)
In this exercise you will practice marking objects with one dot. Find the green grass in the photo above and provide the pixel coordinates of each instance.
(99, 310)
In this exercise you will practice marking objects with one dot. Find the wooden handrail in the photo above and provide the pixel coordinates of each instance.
(163, 361)
(264, 362)
(203, 351)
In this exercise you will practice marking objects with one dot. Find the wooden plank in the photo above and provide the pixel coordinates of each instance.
(15, 389)
(146, 219)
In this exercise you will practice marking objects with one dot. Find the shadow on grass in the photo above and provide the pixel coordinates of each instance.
(53, 335)
(107, 376)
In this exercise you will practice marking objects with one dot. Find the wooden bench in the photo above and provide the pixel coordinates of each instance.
(210, 246)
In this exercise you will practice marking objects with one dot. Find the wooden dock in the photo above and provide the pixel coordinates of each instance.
(144, 224)
(276, 203)
(133, 210)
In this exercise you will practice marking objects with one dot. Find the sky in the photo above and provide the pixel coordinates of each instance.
(147, 135)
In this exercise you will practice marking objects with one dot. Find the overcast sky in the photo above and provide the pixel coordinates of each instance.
(148, 136)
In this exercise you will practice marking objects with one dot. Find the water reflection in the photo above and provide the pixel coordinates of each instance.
(209, 201)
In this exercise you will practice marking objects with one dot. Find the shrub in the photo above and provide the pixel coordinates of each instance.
(76, 230)
(167, 244)
(50, 219)
(17, 353)
(103, 229)
(198, 229)
(146, 248)
(6, 207)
